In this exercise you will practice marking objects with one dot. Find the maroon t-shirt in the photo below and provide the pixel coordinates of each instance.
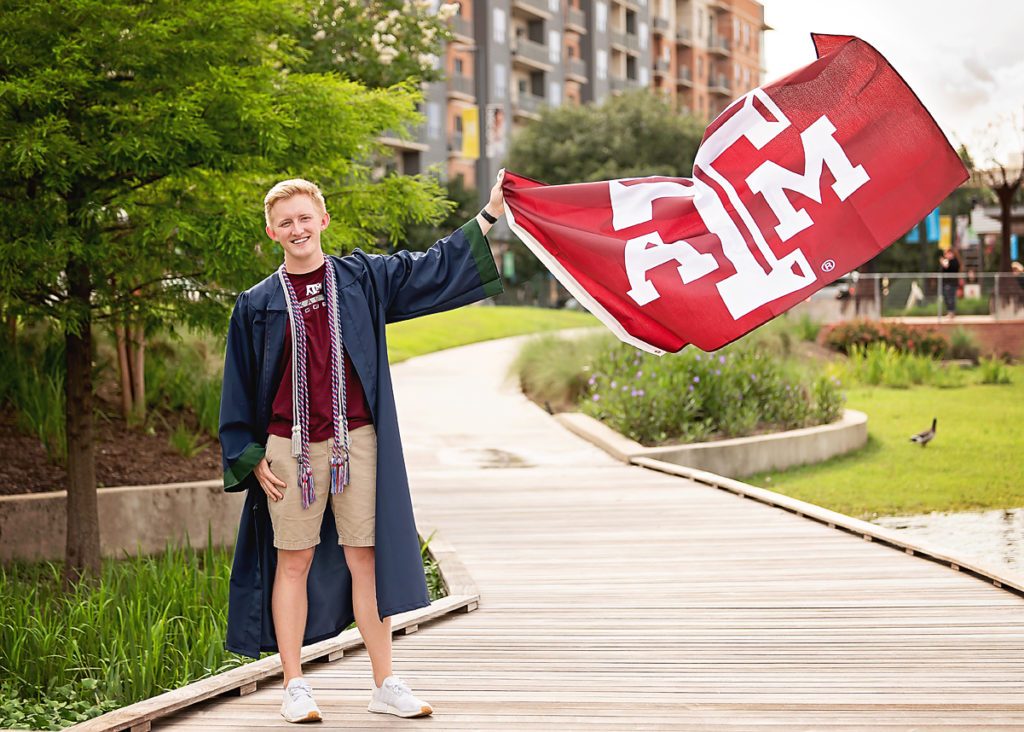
(308, 289)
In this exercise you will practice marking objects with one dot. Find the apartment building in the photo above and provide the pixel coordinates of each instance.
(510, 58)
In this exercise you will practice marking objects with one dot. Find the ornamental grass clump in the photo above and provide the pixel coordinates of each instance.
(694, 396)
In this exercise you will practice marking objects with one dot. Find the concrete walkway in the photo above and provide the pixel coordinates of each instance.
(616, 598)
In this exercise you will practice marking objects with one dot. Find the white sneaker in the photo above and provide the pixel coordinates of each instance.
(298, 704)
(394, 697)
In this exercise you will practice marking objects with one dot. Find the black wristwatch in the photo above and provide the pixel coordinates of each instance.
(487, 217)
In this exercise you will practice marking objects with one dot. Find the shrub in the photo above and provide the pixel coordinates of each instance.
(693, 396)
(963, 345)
(904, 338)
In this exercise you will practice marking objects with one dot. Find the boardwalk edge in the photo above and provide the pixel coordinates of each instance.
(834, 520)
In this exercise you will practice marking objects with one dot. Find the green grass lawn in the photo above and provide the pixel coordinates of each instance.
(976, 460)
(472, 324)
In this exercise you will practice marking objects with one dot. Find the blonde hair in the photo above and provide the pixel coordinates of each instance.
(291, 187)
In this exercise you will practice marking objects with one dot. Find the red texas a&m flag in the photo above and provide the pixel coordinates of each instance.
(795, 184)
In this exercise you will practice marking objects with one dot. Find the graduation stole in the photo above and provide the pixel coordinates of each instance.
(300, 390)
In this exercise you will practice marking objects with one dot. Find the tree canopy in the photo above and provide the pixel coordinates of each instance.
(629, 135)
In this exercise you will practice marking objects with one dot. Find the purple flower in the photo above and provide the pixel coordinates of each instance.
(640, 392)
(639, 374)
(696, 379)
(613, 384)
(596, 397)
(717, 372)
(634, 393)
(721, 359)
(591, 381)
(698, 356)
(753, 378)
(691, 387)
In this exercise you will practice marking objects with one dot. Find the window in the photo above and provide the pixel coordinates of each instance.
(458, 67)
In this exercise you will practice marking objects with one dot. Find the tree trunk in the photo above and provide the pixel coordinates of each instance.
(82, 557)
(138, 371)
(124, 371)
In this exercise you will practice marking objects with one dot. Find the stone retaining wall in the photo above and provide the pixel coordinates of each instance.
(132, 519)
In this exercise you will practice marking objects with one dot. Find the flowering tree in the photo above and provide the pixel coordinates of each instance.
(379, 42)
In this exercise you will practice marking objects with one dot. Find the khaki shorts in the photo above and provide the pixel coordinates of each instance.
(354, 508)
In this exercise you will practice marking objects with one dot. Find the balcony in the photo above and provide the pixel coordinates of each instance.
(618, 39)
(576, 70)
(575, 20)
(684, 77)
(532, 54)
(719, 45)
(659, 25)
(461, 86)
(684, 36)
(720, 85)
(462, 28)
(661, 66)
(529, 105)
(621, 83)
(538, 8)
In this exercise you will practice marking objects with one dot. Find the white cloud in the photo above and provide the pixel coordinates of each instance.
(964, 61)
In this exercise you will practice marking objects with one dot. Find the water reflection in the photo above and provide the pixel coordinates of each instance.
(990, 539)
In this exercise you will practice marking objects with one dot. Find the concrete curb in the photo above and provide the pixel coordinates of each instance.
(738, 457)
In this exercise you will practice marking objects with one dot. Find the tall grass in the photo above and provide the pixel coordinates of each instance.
(880, 364)
(151, 624)
(32, 385)
(185, 373)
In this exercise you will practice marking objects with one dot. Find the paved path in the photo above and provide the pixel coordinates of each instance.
(617, 598)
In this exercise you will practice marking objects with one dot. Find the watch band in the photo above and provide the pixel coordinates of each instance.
(487, 217)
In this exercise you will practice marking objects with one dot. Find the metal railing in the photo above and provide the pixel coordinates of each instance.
(997, 295)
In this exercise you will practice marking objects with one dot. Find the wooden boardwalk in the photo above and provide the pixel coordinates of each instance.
(618, 598)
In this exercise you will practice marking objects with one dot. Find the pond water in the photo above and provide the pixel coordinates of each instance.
(989, 539)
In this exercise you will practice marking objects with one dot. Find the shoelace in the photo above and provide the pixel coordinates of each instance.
(300, 691)
(398, 686)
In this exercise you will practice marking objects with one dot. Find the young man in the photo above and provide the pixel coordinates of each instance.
(308, 422)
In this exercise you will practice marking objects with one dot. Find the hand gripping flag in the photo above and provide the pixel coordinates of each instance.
(795, 184)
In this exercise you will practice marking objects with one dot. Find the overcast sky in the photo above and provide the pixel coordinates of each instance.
(964, 59)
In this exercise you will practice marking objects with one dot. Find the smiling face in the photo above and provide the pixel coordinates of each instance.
(296, 222)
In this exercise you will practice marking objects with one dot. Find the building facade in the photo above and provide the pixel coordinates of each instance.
(511, 58)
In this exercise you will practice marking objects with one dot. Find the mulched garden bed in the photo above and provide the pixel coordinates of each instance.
(124, 456)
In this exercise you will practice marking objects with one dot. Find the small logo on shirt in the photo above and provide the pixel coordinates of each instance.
(314, 289)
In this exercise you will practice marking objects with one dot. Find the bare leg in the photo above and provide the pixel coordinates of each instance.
(289, 603)
(376, 632)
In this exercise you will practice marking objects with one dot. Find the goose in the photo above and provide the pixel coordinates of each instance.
(925, 437)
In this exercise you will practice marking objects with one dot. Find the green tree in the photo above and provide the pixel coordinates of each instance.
(137, 139)
(628, 135)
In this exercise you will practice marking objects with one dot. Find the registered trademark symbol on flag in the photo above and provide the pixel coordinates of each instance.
(828, 265)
